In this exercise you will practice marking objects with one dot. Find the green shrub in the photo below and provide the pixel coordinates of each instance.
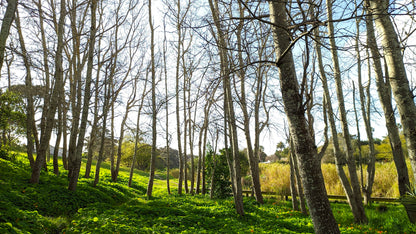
(218, 173)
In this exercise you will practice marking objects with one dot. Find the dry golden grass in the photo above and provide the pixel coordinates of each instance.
(275, 177)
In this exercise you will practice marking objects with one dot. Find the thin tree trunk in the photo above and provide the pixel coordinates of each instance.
(202, 144)
(58, 141)
(235, 167)
(357, 122)
(204, 147)
(365, 111)
(166, 107)
(102, 141)
(191, 139)
(94, 128)
(185, 127)
(30, 112)
(76, 158)
(293, 190)
(115, 171)
(137, 134)
(64, 136)
(178, 121)
(298, 182)
(154, 111)
(355, 199)
(48, 114)
(253, 159)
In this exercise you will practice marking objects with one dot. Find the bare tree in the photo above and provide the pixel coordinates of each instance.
(235, 168)
(354, 195)
(137, 131)
(51, 102)
(30, 112)
(154, 111)
(309, 165)
(8, 18)
(384, 93)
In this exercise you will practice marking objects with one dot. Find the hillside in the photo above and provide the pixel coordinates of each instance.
(115, 208)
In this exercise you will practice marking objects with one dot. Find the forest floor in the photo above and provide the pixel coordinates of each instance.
(49, 207)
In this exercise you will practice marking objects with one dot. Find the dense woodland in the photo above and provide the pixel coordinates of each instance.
(128, 81)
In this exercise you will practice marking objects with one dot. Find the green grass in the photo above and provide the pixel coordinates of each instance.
(115, 208)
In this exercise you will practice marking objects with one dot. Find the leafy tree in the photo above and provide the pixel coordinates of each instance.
(218, 173)
(143, 155)
(12, 116)
(281, 151)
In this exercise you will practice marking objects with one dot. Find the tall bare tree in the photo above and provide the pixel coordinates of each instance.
(235, 167)
(8, 18)
(51, 102)
(397, 74)
(309, 164)
(74, 159)
(30, 112)
(354, 195)
(384, 93)
(154, 110)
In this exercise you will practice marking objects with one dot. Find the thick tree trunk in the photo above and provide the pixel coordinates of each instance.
(5, 27)
(310, 169)
(384, 93)
(397, 75)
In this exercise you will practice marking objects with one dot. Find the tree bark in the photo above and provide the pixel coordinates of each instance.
(30, 112)
(75, 159)
(48, 115)
(235, 167)
(8, 18)
(298, 182)
(384, 93)
(365, 112)
(354, 195)
(253, 159)
(311, 174)
(178, 121)
(293, 190)
(154, 111)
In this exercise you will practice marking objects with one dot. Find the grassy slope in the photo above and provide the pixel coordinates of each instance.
(113, 207)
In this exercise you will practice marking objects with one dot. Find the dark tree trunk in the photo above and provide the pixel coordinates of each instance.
(305, 150)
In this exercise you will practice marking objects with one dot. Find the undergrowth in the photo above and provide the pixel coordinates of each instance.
(115, 208)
